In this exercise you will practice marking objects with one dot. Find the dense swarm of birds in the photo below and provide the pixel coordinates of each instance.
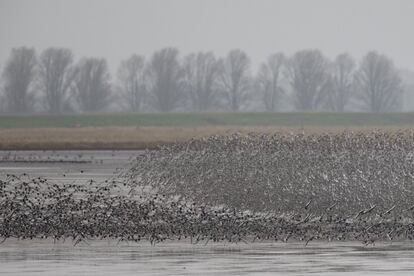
(38, 208)
(239, 188)
(283, 172)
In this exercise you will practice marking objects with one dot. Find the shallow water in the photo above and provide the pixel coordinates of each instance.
(66, 165)
(44, 257)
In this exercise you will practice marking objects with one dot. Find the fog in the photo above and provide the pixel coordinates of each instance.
(211, 137)
(116, 29)
(131, 43)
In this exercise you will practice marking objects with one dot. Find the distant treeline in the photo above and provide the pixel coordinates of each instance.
(306, 81)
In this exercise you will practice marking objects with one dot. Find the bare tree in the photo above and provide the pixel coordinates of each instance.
(165, 80)
(269, 81)
(407, 77)
(2, 99)
(309, 78)
(234, 78)
(379, 84)
(2, 102)
(55, 78)
(200, 80)
(18, 75)
(92, 87)
(131, 80)
(342, 82)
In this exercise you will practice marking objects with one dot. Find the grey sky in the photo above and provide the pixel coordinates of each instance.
(116, 29)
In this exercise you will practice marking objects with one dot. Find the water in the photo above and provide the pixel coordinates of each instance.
(66, 166)
(182, 258)
(107, 257)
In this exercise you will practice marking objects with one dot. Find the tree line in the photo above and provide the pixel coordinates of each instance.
(306, 81)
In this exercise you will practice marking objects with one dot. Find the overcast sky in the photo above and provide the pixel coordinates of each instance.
(117, 28)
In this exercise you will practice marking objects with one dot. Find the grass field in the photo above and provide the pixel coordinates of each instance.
(208, 119)
(141, 131)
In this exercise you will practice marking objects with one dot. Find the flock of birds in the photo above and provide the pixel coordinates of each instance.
(283, 172)
(36, 208)
(240, 188)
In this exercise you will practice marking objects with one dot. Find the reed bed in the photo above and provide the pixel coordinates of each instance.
(147, 137)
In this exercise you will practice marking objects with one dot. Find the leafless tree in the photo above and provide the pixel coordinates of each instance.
(131, 81)
(200, 80)
(407, 77)
(2, 102)
(55, 78)
(309, 79)
(379, 84)
(2, 99)
(92, 87)
(342, 82)
(269, 81)
(19, 75)
(165, 80)
(235, 79)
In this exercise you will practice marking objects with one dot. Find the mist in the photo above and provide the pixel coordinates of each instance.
(115, 30)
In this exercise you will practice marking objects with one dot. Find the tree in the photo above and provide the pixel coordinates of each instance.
(200, 80)
(131, 80)
(18, 75)
(407, 77)
(92, 87)
(2, 100)
(235, 79)
(342, 83)
(269, 81)
(55, 78)
(309, 79)
(379, 84)
(165, 80)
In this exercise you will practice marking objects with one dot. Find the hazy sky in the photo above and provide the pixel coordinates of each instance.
(117, 28)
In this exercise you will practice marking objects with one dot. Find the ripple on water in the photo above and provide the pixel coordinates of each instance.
(43, 257)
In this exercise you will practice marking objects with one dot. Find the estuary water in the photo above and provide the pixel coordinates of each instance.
(108, 257)
(182, 258)
(73, 165)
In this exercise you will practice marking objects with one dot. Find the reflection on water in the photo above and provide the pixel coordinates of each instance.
(43, 257)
